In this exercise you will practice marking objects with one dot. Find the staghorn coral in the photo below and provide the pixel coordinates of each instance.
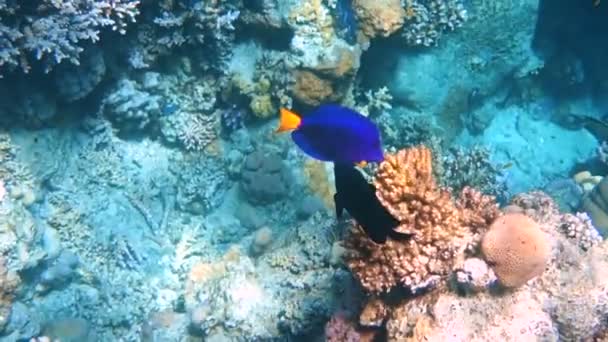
(53, 31)
(443, 229)
(202, 25)
(197, 132)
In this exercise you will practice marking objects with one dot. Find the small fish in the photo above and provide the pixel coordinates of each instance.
(506, 165)
(358, 197)
(334, 133)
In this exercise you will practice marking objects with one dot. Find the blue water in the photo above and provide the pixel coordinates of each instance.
(145, 195)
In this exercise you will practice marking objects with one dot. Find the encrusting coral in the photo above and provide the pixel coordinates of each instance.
(443, 228)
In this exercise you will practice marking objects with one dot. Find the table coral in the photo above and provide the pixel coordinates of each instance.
(442, 228)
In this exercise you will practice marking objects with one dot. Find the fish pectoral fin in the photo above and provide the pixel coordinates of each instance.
(338, 204)
(288, 120)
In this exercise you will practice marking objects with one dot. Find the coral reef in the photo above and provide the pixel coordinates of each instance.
(233, 296)
(472, 167)
(56, 31)
(379, 18)
(443, 229)
(426, 21)
(144, 197)
(549, 307)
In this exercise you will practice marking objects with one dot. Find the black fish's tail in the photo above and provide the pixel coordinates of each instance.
(395, 235)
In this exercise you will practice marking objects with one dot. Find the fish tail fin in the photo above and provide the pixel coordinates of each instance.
(395, 235)
(288, 120)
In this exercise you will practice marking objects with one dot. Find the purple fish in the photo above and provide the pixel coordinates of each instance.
(334, 133)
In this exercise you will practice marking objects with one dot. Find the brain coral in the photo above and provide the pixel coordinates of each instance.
(442, 228)
(516, 248)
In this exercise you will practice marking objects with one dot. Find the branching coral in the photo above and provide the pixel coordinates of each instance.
(206, 25)
(472, 167)
(443, 229)
(51, 31)
(426, 20)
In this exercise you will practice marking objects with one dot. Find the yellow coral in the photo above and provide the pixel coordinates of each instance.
(311, 89)
(379, 17)
(262, 106)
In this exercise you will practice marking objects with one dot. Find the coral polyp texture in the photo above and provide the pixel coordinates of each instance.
(443, 228)
(516, 248)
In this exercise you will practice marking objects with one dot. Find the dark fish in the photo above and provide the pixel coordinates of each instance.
(334, 133)
(597, 127)
(358, 197)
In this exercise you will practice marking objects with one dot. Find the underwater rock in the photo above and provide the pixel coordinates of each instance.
(423, 79)
(566, 193)
(129, 108)
(265, 179)
(380, 17)
(74, 82)
(68, 330)
(24, 323)
(262, 239)
(309, 206)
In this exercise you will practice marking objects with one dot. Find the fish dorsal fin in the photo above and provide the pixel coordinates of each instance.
(288, 120)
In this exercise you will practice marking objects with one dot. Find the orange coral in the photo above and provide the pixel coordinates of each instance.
(311, 89)
(441, 227)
